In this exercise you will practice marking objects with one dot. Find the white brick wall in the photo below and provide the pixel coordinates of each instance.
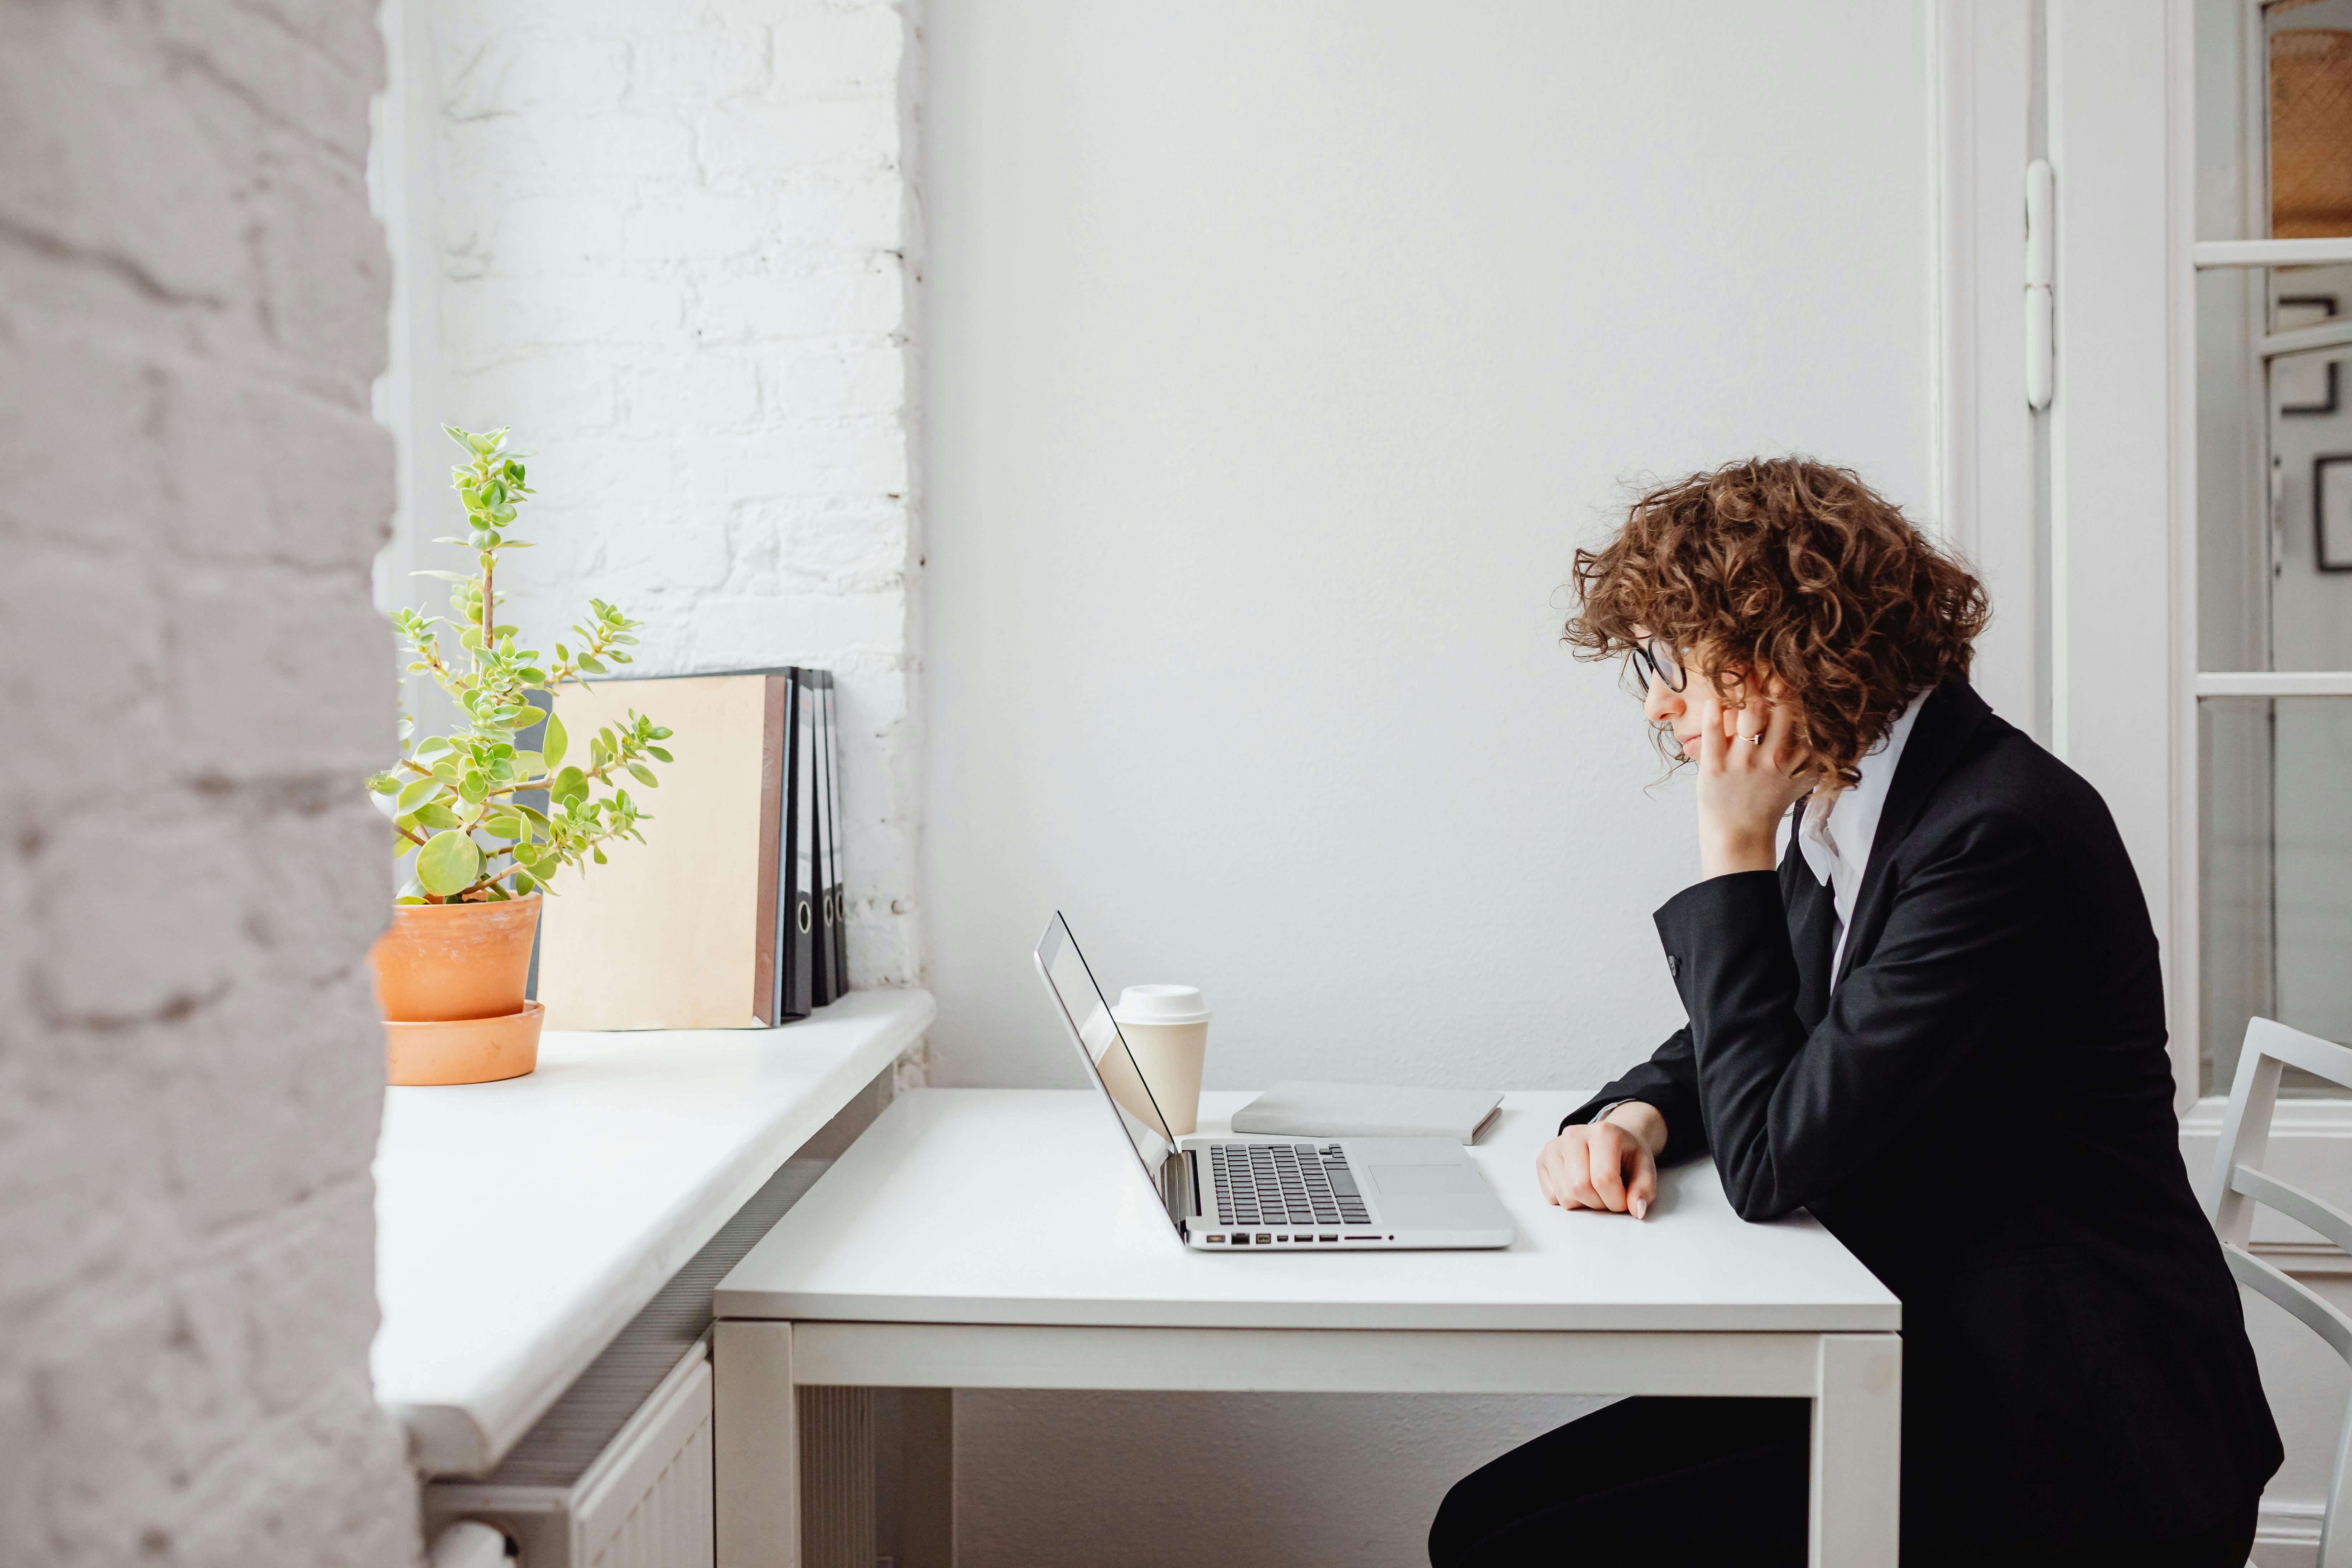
(678, 249)
(193, 682)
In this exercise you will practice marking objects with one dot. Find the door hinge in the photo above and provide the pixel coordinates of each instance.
(2040, 265)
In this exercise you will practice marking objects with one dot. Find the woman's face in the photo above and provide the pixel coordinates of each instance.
(1680, 711)
(1663, 705)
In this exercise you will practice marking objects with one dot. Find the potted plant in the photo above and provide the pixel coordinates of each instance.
(451, 970)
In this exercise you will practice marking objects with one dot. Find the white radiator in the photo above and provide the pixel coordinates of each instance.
(836, 1478)
(644, 1501)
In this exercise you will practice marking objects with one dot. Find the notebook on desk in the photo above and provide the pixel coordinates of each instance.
(1296, 1108)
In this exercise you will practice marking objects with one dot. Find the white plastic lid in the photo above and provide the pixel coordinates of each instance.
(1160, 1004)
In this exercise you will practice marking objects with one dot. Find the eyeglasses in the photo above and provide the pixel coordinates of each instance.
(1657, 661)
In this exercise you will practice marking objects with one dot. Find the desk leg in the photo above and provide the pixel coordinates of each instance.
(1857, 1451)
(756, 1440)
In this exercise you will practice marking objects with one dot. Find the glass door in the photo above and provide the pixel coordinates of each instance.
(2274, 523)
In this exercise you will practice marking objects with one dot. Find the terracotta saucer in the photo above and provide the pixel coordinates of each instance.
(464, 1050)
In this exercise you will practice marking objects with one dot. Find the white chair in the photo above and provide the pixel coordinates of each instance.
(2240, 1183)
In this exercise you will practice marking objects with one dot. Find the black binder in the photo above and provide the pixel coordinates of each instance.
(820, 989)
(796, 911)
(837, 883)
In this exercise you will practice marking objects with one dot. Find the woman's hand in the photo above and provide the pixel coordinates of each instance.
(1607, 1165)
(1749, 774)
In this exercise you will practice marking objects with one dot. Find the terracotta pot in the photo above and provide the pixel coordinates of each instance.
(464, 1050)
(443, 962)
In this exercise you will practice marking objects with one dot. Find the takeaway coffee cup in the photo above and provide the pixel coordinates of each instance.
(1167, 1029)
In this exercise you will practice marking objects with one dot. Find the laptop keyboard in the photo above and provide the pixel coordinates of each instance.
(1285, 1184)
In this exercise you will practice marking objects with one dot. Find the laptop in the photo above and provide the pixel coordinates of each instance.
(1222, 1195)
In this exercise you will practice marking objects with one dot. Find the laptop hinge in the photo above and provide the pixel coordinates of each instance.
(1179, 1186)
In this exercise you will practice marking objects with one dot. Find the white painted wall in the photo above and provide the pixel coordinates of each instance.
(192, 304)
(1279, 357)
(677, 251)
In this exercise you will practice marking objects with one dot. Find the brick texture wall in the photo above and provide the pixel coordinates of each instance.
(679, 250)
(193, 683)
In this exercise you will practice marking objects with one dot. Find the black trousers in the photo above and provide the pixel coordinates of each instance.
(1704, 1482)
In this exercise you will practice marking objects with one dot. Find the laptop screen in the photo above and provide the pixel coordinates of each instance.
(1105, 1051)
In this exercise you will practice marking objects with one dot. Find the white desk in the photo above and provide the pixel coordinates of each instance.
(909, 1265)
(521, 1224)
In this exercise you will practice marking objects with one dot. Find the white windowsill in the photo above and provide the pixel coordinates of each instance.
(521, 1224)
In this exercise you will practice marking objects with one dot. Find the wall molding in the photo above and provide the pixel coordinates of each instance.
(2293, 1119)
(2286, 1533)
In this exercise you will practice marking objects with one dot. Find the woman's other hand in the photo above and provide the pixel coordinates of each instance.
(1749, 774)
(1610, 1165)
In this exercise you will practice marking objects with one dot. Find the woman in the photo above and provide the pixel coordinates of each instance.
(1940, 1027)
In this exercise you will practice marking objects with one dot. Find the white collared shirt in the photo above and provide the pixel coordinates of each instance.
(1837, 830)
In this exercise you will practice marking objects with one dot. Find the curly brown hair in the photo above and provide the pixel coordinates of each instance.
(1788, 568)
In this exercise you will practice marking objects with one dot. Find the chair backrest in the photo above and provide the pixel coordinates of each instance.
(2240, 1183)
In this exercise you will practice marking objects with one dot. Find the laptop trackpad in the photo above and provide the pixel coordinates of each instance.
(1424, 1181)
(1427, 1197)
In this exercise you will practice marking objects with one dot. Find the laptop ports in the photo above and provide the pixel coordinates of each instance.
(1240, 1240)
(1326, 1238)
(1213, 1240)
(1263, 1239)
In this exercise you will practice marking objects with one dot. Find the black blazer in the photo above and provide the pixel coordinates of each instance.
(1984, 1114)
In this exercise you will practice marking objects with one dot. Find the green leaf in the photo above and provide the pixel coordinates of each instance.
(660, 731)
(589, 663)
(432, 746)
(448, 864)
(417, 793)
(600, 856)
(529, 765)
(505, 824)
(523, 883)
(643, 775)
(598, 755)
(659, 755)
(570, 787)
(434, 815)
(537, 819)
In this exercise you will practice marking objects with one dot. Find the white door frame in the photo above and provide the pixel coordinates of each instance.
(2093, 645)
